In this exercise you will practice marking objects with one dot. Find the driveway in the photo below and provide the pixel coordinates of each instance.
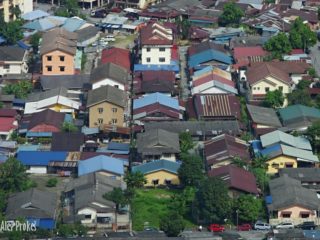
(184, 78)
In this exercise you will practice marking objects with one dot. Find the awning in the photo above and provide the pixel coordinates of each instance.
(305, 212)
(286, 212)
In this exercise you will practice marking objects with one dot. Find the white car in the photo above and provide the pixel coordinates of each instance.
(262, 226)
(285, 225)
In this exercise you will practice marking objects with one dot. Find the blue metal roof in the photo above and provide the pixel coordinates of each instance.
(87, 131)
(33, 15)
(105, 150)
(118, 146)
(156, 98)
(101, 163)
(143, 67)
(40, 158)
(157, 165)
(39, 134)
(28, 147)
(73, 24)
(203, 70)
(23, 45)
(209, 55)
(39, 25)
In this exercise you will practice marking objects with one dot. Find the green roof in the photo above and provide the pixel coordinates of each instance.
(298, 111)
(157, 165)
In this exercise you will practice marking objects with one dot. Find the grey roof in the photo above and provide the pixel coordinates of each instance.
(106, 94)
(32, 203)
(302, 174)
(300, 154)
(11, 53)
(264, 116)
(34, 97)
(111, 71)
(197, 128)
(66, 81)
(287, 192)
(158, 141)
(87, 33)
(277, 136)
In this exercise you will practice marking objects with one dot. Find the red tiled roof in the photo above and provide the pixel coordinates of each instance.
(237, 178)
(158, 108)
(296, 51)
(117, 56)
(245, 52)
(158, 75)
(314, 91)
(6, 124)
(208, 78)
(7, 112)
(156, 34)
(198, 33)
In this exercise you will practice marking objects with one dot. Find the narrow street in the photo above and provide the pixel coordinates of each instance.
(184, 90)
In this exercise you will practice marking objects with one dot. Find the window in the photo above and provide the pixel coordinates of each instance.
(49, 58)
(100, 120)
(62, 68)
(155, 181)
(116, 86)
(114, 120)
(87, 216)
(49, 68)
(148, 59)
(6, 66)
(281, 88)
(148, 49)
(114, 110)
(61, 58)
(167, 155)
(254, 88)
(267, 89)
(162, 59)
(275, 165)
(162, 49)
(289, 165)
(100, 110)
(304, 215)
(167, 182)
(286, 215)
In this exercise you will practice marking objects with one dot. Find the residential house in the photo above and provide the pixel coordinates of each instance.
(221, 150)
(209, 107)
(109, 74)
(262, 119)
(37, 162)
(244, 56)
(70, 82)
(7, 8)
(140, 4)
(58, 51)
(212, 80)
(158, 144)
(117, 56)
(284, 151)
(110, 167)
(8, 122)
(67, 141)
(87, 36)
(7, 149)
(84, 196)
(308, 17)
(36, 207)
(238, 180)
(197, 34)
(156, 107)
(156, 42)
(289, 201)
(298, 117)
(106, 106)
(58, 100)
(159, 172)
(13, 60)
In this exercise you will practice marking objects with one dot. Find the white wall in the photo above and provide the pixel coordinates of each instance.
(88, 211)
(37, 169)
(212, 90)
(259, 88)
(26, 6)
(154, 54)
(14, 68)
(107, 81)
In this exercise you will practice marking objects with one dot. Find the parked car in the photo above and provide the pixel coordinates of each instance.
(109, 38)
(307, 226)
(116, 10)
(99, 13)
(216, 228)
(285, 225)
(262, 226)
(244, 227)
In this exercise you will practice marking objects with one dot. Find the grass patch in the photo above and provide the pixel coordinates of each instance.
(150, 205)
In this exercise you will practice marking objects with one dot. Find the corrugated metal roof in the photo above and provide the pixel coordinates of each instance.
(209, 55)
(158, 165)
(33, 15)
(298, 111)
(101, 163)
(40, 158)
(73, 24)
(173, 66)
(156, 98)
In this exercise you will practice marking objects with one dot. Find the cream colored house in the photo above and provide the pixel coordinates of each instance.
(6, 7)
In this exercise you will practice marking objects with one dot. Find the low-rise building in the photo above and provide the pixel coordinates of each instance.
(13, 60)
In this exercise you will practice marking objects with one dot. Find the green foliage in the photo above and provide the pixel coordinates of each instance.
(183, 26)
(69, 230)
(246, 136)
(301, 36)
(278, 45)
(70, 9)
(34, 41)
(16, 11)
(303, 84)
(52, 182)
(83, 60)
(274, 99)
(1, 105)
(20, 89)
(117, 195)
(313, 133)
(181, 202)
(250, 208)
(232, 14)
(61, 12)
(244, 115)
(270, 1)
(212, 203)
(3, 201)
(237, 161)
(191, 170)
(135, 180)
(312, 72)
(12, 31)
(69, 127)
(186, 142)
(172, 224)
(261, 177)
(299, 96)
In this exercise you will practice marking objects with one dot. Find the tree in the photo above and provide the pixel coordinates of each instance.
(186, 142)
(135, 179)
(118, 196)
(191, 170)
(52, 182)
(1, 105)
(313, 134)
(13, 177)
(274, 99)
(12, 31)
(312, 72)
(172, 224)
(259, 162)
(212, 203)
(249, 208)
(3, 201)
(237, 161)
(303, 84)
(231, 14)
(301, 36)
(184, 27)
(34, 41)
(70, 8)
(20, 89)
(278, 45)
(181, 202)
(261, 177)
(299, 96)
(69, 127)
(16, 11)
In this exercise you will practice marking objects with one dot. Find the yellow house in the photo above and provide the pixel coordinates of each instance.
(159, 172)
(279, 162)
(106, 106)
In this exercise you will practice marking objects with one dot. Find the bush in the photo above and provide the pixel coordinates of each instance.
(52, 182)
